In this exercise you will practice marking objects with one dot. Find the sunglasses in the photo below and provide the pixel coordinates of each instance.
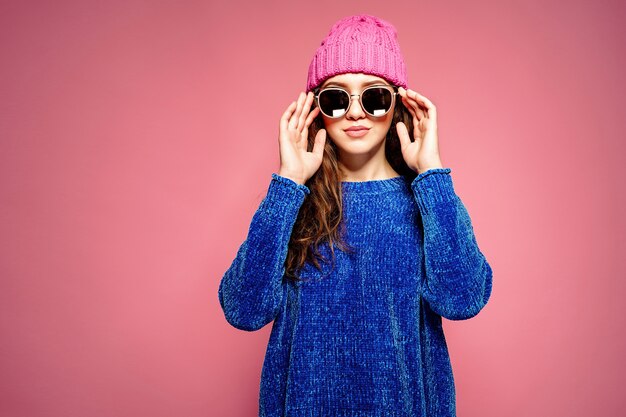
(375, 100)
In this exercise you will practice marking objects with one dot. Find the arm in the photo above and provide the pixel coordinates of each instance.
(458, 278)
(251, 290)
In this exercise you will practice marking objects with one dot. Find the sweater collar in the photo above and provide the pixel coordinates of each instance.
(375, 186)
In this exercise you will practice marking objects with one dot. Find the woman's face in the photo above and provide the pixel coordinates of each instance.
(377, 127)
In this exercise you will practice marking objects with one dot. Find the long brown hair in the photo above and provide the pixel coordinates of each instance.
(319, 220)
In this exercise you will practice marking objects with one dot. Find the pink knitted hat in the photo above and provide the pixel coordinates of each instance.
(360, 43)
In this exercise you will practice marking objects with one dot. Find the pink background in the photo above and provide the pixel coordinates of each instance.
(137, 139)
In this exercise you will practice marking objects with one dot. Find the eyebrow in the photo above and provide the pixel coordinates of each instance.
(365, 83)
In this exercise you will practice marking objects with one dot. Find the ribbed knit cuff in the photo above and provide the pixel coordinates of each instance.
(284, 197)
(432, 187)
(291, 183)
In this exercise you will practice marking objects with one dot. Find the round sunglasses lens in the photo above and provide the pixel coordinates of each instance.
(377, 100)
(334, 103)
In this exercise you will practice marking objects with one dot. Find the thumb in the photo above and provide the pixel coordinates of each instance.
(403, 135)
(320, 141)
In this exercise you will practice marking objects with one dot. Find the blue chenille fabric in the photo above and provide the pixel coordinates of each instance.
(364, 338)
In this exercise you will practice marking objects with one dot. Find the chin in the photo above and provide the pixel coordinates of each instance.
(362, 144)
(357, 147)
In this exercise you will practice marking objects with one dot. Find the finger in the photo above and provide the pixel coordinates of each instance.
(420, 98)
(412, 104)
(311, 117)
(415, 111)
(293, 123)
(416, 126)
(403, 135)
(303, 142)
(318, 145)
(305, 110)
(431, 110)
(284, 120)
(415, 101)
(305, 131)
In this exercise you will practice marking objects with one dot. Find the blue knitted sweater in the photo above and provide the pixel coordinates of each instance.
(367, 339)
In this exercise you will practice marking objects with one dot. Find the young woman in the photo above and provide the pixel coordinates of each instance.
(360, 246)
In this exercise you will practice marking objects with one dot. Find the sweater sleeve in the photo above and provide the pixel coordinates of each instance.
(458, 278)
(251, 291)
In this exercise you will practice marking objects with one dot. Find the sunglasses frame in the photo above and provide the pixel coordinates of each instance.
(394, 92)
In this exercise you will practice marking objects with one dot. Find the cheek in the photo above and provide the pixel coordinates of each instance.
(330, 124)
(328, 121)
(385, 125)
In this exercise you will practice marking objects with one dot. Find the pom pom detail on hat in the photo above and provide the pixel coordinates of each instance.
(359, 44)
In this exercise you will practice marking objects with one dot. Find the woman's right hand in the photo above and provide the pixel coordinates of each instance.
(296, 162)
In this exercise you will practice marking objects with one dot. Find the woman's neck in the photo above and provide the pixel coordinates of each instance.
(367, 172)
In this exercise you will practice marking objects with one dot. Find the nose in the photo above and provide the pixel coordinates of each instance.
(355, 111)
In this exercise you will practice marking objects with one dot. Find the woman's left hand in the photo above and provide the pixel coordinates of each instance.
(422, 153)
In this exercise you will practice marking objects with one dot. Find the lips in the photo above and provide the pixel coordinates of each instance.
(356, 131)
(356, 128)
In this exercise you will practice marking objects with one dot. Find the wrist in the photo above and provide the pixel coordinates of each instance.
(428, 168)
(430, 165)
(292, 177)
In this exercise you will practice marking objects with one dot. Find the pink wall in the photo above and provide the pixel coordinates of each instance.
(137, 139)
